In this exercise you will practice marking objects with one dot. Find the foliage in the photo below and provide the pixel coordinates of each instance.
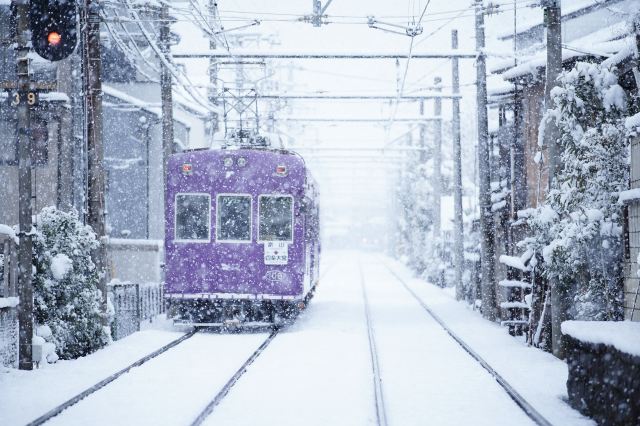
(66, 296)
(579, 229)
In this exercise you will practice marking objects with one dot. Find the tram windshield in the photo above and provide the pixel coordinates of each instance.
(276, 218)
(193, 219)
(234, 218)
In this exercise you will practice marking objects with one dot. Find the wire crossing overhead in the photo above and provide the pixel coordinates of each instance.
(329, 55)
(364, 97)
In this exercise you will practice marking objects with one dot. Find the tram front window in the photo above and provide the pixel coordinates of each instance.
(234, 218)
(276, 218)
(193, 219)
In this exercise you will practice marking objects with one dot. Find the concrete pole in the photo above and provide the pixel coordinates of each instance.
(487, 255)
(437, 163)
(166, 96)
(559, 293)
(25, 261)
(96, 214)
(458, 248)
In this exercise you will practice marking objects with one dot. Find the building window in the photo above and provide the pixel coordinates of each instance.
(233, 218)
(193, 217)
(276, 218)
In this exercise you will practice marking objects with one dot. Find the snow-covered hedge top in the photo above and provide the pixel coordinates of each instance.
(7, 230)
(9, 302)
(622, 335)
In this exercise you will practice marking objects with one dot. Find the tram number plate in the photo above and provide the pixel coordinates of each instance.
(276, 253)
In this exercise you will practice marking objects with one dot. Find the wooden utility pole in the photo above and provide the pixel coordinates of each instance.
(165, 88)
(213, 69)
(487, 255)
(25, 261)
(458, 230)
(559, 292)
(96, 214)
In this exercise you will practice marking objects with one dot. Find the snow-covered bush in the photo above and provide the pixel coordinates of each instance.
(579, 229)
(66, 296)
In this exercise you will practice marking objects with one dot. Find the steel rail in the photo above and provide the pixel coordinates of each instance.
(60, 408)
(381, 416)
(520, 401)
(233, 380)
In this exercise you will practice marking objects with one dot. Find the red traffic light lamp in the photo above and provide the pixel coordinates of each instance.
(54, 38)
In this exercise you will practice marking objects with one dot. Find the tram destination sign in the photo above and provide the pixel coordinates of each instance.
(276, 253)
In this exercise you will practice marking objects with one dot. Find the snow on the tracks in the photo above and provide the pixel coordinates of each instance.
(538, 376)
(171, 389)
(26, 395)
(427, 377)
(316, 372)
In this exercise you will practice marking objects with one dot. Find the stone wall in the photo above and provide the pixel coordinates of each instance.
(604, 382)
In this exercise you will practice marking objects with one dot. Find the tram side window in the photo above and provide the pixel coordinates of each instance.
(234, 218)
(276, 218)
(193, 217)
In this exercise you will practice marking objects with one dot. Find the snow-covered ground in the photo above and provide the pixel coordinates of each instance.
(317, 372)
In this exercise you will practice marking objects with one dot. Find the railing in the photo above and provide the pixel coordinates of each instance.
(134, 303)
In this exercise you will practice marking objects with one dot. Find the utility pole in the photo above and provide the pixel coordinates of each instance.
(213, 68)
(487, 255)
(559, 293)
(458, 248)
(437, 167)
(95, 152)
(165, 89)
(25, 261)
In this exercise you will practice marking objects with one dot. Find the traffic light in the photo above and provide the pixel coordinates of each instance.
(54, 28)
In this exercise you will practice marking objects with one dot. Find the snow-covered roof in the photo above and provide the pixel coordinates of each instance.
(611, 42)
(569, 10)
(135, 102)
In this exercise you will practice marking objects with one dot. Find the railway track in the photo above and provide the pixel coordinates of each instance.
(527, 408)
(79, 397)
(233, 380)
(381, 416)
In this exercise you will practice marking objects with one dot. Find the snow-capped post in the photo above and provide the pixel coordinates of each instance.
(25, 256)
(96, 214)
(165, 88)
(552, 20)
(458, 254)
(487, 255)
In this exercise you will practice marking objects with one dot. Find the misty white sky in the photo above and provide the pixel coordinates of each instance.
(358, 182)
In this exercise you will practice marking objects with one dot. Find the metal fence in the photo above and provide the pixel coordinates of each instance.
(134, 303)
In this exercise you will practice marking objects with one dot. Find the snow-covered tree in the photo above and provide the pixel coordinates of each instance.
(579, 230)
(66, 296)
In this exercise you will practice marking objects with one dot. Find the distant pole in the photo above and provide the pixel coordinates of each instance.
(25, 261)
(458, 253)
(96, 214)
(559, 296)
(487, 255)
(437, 164)
(166, 97)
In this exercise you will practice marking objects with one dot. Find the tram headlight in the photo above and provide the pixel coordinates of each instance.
(242, 162)
(228, 162)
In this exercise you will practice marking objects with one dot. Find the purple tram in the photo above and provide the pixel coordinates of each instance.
(242, 239)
